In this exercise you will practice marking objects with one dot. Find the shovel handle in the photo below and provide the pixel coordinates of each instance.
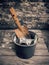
(13, 13)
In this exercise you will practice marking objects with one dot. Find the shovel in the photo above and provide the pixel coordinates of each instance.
(22, 31)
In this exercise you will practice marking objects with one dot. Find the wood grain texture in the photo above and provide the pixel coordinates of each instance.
(41, 55)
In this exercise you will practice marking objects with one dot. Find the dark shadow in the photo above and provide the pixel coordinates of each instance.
(1, 1)
(1, 61)
(43, 26)
(46, 38)
(46, 5)
(5, 26)
(45, 30)
(45, 0)
(19, 1)
(33, 0)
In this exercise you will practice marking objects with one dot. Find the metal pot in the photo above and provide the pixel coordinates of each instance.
(24, 51)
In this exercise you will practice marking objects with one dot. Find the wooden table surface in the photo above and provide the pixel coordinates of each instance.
(41, 55)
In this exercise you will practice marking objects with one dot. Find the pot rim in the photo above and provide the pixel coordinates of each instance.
(35, 41)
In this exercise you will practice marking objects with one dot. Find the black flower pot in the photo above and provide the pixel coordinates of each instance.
(25, 51)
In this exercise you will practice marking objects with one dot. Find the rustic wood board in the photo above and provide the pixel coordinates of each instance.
(41, 55)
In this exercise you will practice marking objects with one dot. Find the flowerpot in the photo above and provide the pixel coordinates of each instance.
(25, 51)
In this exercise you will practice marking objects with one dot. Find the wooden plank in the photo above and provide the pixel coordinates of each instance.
(9, 52)
(45, 32)
(41, 52)
(41, 33)
(38, 46)
(37, 31)
(14, 60)
(41, 46)
(41, 41)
